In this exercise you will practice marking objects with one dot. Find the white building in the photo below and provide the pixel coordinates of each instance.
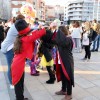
(5, 9)
(82, 10)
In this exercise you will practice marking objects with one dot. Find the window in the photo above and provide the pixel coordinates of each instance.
(33, 3)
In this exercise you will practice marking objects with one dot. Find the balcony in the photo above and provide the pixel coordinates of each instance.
(75, 14)
(74, 10)
(75, 18)
(16, 6)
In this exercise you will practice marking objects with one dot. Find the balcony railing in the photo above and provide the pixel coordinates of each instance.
(75, 18)
(74, 10)
(75, 6)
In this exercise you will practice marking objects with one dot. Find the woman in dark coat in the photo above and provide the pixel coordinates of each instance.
(65, 72)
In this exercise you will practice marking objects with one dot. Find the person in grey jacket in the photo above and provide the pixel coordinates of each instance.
(7, 47)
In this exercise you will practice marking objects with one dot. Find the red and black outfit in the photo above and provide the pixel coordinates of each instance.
(18, 64)
(65, 71)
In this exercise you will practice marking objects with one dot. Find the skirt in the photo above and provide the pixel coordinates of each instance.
(44, 63)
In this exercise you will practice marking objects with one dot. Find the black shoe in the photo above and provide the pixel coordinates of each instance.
(51, 81)
(26, 99)
(96, 50)
(92, 50)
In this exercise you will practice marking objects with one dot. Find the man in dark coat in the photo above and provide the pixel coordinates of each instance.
(45, 49)
(1, 33)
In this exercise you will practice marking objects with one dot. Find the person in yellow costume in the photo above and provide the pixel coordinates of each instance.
(29, 13)
(44, 63)
(47, 59)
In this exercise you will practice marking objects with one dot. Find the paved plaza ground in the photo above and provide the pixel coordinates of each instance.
(87, 81)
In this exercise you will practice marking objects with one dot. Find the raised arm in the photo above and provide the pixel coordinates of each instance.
(35, 35)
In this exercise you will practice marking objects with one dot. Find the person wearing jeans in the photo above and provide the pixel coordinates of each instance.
(9, 56)
(97, 39)
(7, 46)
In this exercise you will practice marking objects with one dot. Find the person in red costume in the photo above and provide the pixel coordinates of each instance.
(23, 49)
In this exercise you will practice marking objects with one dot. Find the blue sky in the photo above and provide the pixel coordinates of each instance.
(55, 2)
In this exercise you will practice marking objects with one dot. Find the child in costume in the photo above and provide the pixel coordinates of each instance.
(35, 61)
(64, 72)
(47, 59)
(23, 49)
(54, 51)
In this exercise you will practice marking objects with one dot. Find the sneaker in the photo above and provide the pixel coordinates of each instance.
(11, 86)
(60, 93)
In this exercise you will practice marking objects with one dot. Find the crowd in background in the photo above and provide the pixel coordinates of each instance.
(49, 46)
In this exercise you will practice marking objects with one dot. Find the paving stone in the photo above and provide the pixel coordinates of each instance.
(84, 83)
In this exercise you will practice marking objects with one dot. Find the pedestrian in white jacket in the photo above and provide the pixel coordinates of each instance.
(86, 41)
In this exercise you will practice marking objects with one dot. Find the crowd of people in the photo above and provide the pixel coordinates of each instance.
(49, 46)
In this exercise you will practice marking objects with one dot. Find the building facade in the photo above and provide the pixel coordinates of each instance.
(82, 10)
(5, 9)
(41, 10)
(54, 12)
(38, 5)
(50, 13)
(15, 6)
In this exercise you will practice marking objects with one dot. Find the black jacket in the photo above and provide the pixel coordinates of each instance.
(1, 33)
(65, 45)
(46, 45)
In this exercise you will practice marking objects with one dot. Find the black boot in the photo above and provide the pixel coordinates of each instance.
(96, 50)
(51, 81)
(51, 75)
